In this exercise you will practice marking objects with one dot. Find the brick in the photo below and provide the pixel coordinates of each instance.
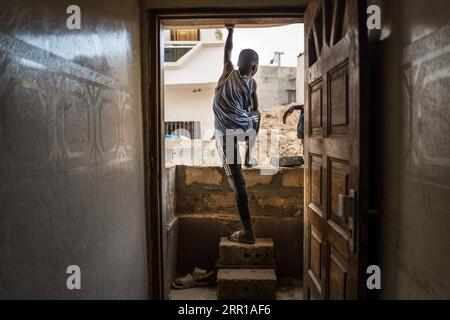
(253, 178)
(203, 175)
(239, 254)
(220, 201)
(246, 284)
(292, 178)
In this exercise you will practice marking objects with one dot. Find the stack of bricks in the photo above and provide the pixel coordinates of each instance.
(246, 272)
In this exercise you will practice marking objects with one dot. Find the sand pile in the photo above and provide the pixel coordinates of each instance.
(272, 118)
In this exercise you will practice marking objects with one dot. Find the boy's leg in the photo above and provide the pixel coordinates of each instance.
(237, 183)
(250, 140)
(233, 170)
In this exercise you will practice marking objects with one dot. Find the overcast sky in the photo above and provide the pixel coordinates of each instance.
(265, 41)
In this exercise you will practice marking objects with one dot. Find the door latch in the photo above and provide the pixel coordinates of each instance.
(347, 209)
(347, 204)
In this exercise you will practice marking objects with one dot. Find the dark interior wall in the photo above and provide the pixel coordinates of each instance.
(71, 167)
(165, 4)
(410, 80)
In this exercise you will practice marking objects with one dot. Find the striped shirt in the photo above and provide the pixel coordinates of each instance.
(232, 102)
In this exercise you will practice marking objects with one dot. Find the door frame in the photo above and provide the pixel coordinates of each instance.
(153, 117)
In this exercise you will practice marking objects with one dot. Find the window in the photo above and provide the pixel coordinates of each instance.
(174, 53)
(185, 35)
(188, 129)
(291, 96)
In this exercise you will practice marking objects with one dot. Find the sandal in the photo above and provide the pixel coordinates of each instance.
(241, 237)
(184, 282)
(197, 278)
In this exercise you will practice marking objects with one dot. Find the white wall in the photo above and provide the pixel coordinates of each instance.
(204, 65)
(300, 81)
(181, 103)
(166, 35)
(209, 35)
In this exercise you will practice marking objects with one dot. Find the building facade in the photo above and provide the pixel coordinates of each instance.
(191, 70)
(275, 86)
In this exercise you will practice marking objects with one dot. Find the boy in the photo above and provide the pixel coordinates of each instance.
(236, 117)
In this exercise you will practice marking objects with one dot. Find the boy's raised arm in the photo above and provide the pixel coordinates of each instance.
(290, 110)
(254, 97)
(227, 64)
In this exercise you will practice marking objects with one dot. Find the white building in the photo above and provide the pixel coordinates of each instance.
(193, 65)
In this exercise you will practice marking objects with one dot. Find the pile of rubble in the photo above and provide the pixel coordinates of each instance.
(272, 118)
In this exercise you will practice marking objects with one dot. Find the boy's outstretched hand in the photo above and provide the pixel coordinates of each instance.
(230, 27)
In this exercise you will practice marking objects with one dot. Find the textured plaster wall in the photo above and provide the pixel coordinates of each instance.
(71, 169)
(410, 114)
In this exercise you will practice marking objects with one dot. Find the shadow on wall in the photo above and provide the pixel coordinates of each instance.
(411, 148)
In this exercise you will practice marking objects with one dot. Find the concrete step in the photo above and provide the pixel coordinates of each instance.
(234, 254)
(246, 284)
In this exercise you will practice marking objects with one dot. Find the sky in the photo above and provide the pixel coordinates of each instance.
(265, 41)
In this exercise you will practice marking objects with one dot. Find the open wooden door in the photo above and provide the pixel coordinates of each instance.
(335, 150)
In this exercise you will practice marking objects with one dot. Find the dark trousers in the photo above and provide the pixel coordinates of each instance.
(231, 161)
(228, 148)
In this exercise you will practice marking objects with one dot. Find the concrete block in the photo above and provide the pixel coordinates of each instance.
(239, 254)
(253, 178)
(246, 284)
(203, 175)
(293, 161)
(292, 178)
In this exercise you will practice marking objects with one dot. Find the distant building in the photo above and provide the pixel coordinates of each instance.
(275, 86)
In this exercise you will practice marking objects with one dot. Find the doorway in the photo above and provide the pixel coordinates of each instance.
(323, 15)
(158, 22)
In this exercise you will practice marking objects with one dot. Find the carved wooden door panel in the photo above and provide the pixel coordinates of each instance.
(335, 150)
